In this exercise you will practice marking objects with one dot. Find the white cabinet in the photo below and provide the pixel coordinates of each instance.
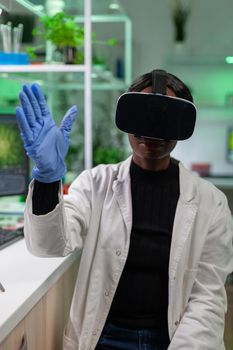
(42, 327)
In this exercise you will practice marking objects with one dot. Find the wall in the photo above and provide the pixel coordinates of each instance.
(200, 64)
(208, 145)
(209, 30)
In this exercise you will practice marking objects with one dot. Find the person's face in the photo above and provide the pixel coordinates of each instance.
(148, 149)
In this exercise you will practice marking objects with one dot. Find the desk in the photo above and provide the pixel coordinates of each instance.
(37, 297)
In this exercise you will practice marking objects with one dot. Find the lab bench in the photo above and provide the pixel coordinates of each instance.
(35, 305)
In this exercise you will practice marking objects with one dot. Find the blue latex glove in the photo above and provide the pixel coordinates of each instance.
(45, 143)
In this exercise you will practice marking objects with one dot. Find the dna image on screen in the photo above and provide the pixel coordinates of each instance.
(14, 164)
(11, 148)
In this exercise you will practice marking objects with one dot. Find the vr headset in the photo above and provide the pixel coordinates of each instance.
(156, 115)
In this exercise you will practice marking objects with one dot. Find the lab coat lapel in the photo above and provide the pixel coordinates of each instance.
(184, 219)
(182, 229)
(122, 190)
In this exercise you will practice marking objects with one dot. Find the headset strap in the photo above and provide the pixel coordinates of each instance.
(159, 81)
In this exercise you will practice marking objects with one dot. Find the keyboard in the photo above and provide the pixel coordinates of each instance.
(9, 236)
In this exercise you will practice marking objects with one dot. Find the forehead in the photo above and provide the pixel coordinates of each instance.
(148, 89)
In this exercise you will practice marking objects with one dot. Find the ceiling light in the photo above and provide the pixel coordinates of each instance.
(114, 6)
(229, 59)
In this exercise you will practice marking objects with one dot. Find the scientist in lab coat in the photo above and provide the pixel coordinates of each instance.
(156, 240)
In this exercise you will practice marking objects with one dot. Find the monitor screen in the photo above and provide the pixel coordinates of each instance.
(14, 163)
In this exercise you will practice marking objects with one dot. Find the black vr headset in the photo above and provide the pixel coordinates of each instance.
(156, 115)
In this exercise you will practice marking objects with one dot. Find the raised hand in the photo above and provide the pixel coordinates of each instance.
(45, 143)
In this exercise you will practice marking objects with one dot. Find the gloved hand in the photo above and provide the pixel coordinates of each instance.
(45, 143)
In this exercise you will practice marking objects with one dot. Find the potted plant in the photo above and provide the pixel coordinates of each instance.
(180, 14)
(63, 32)
(107, 155)
(66, 35)
(101, 56)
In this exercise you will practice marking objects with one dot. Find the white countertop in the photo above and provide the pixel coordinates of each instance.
(26, 279)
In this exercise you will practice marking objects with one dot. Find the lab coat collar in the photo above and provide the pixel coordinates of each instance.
(188, 189)
(188, 185)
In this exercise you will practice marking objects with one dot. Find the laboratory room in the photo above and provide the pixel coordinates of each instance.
(116, 175)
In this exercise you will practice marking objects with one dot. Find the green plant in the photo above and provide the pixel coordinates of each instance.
(110, 155)
(98, 57)
(63, 31)
(180, 14)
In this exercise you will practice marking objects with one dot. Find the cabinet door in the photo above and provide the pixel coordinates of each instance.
(56, 308)
(42, 328)
(35, 327)
(15, 340)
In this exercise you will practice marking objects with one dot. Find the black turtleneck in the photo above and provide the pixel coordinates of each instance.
(141, 299)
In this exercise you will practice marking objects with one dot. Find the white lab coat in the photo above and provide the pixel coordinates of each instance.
(96, 216)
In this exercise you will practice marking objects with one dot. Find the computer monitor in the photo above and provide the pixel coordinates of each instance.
(230, 145)
(14, 163)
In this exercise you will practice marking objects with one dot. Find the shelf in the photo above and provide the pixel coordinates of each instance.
(105, 18)
(101, 80)
(214, 107)
(221, 182)
(39, 10)
(55, 77)
(34, 68)
(30, 6)
(188, 59)
(95, 86)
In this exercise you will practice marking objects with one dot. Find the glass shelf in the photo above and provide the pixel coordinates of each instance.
(108, 18)
(75, 7)
(34, 6)
(95, 86)
(65, 79)
(34, 68)
(214, 107)
(192, 60)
